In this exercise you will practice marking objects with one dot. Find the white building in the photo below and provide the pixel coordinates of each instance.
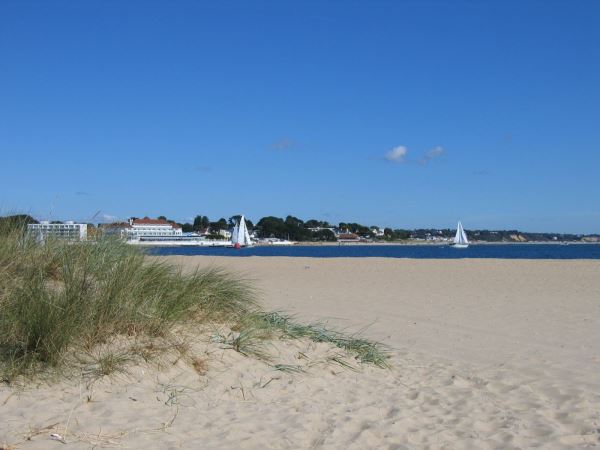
(225, 233)
(335, 231)
(378, 232)
(151, 228)
(69, 230)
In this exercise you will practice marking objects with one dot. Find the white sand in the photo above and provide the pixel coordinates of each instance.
(487, 354)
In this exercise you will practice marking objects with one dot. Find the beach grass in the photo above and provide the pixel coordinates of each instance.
(278, 323)
(60, 299)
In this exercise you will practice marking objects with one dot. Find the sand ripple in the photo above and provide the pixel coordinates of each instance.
(244, 403)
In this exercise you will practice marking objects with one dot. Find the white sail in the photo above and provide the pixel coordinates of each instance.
(240, 233)
(461, 237)
(247, 235)
(235, 235)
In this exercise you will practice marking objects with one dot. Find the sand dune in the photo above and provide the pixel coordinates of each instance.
(487, 354)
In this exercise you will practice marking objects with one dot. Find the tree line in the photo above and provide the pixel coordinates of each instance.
(295, 229)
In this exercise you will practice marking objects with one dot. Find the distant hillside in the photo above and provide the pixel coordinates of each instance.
(17, 220)
(503, 236)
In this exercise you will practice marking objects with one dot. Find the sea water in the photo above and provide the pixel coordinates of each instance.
(502, 251)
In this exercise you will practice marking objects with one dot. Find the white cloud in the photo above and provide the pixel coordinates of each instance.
(399, 155)
(431, 154)
(396, 154)
(434, 152)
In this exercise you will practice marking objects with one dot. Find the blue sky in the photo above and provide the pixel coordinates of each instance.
(404, 114)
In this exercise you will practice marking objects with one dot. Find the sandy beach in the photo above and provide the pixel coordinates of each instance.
(486, 354)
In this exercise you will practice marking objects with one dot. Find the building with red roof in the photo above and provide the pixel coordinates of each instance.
(147, 227)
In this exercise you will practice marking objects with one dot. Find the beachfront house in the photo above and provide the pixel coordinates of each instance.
(378, 232)
(226, 234)
(147, 227)
(334, 230)
(348, 237)
(204, 232)
(68, 230)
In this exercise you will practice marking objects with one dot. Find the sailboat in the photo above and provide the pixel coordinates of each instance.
(240, 236)
(460, 240)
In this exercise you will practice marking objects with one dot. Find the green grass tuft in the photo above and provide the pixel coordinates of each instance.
(61, 300)
(62, 296)
(248, 342)
(363, 350)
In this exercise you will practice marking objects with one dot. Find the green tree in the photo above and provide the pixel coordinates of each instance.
(312, 223)
(324, 235)
(271, 227)
(201, 222)
(18, 220)
(293, 221)
(220, 224)
(233, 220)
(402, 234)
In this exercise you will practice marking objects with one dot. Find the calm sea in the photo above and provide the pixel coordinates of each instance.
(507, 251)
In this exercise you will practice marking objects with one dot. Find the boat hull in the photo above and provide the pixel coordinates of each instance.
(459, 245)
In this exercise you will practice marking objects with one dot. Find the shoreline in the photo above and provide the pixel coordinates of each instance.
(373, 244)
(423, 243)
